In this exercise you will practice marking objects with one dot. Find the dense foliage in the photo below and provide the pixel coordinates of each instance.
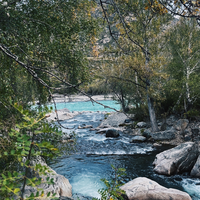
(151, 59)
(139, 51)
(43, 49)
(43, 43)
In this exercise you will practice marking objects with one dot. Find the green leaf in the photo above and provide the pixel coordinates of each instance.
(4, 182)
(16, 190)
(9, 175)
(3, 176)
(37, 194)
(32, 195)
(38, 132)
(12, 152)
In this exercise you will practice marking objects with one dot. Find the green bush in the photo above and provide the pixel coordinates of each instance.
(112, 190)
(32, 137)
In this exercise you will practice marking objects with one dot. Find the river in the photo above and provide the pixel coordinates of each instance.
(95, 153)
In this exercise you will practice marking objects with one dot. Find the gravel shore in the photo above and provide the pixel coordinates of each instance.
(61, 98)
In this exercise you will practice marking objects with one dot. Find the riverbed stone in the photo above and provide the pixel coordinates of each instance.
(103, 126)
(85, 127)
(181, 124)
(136, 131)
(142, 188)
(176, 160)
(138, 139)
(141, 124)
(147, 133)
(195, 134)
(114, 119)
(195, 172)
(104, 130)
(164, 135)
(112, 133)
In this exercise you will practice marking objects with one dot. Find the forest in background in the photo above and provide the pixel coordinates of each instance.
(146, 53)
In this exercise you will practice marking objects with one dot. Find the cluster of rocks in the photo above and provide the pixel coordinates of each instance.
(174, 131)
(140, 188)
(182, 158)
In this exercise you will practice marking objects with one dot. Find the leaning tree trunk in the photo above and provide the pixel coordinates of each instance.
(152, 114)
(151, 109)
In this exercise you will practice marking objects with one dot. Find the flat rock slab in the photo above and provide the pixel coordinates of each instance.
(63, 114)
(143, 188)
(164, 135)
(104, 130)
(138, 139)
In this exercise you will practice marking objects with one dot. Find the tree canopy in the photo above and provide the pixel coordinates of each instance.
(42, 42)
(146, 53)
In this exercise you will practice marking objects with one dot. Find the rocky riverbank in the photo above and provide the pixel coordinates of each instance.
(175, 131)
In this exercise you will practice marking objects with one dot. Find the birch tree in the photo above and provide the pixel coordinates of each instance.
(135, 27)
(184, 67)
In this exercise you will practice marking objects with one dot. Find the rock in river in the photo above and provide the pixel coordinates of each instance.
(138, 139)
(176, 160)
(112, 133)
(114, 119)
(181, 125)
(142, 188)
(61, 185)
(164, 135)
(196, 169)
(142, 124)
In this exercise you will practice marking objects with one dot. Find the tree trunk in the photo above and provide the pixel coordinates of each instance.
(152, 114)
(151, 109)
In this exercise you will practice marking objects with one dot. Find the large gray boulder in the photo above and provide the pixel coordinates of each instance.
(60, 186)
(164, 135)
(115, 119)
(196, 169)
(176, 160)
(145, 189)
